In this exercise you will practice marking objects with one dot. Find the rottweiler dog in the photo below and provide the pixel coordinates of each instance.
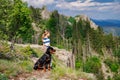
(45, 60)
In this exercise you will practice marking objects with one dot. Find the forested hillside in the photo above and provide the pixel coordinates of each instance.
(92, 50)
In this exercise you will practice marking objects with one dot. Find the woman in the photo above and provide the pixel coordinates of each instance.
(45, 39)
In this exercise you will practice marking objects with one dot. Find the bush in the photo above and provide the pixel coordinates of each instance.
(92, 65)
(8, 67)
(108, 62)
(60, 71)
(60, 46)
(117, 53)
(4, 50)
(78, 64)
(38, 52)
(3, 77)
(4, 47)
(11, 68)
(28, 52)
(116, 77)
(27, 66)
(113, 65)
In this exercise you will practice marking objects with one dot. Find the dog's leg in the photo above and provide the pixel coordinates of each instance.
(44, 68)
(39, 67)
(49, 67)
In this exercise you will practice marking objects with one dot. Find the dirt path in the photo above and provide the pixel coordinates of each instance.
(35, 75)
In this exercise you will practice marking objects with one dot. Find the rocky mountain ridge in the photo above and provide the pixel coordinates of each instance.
(46, 15)
(86, 18)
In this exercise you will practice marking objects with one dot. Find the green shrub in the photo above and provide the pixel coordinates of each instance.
(11, 68)
(4, 65)
(4, 47)
(27, 66)
(28, 52)
(116, 77)
(113, 65)
(8, 67)
(78, 64)
(60, 71)
(3, 77)
(92, 65)
(108, 62)
(4, 50)
(117, 53)
(60, 46)
(38, 52)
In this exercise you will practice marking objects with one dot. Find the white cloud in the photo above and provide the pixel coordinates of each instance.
(87, 5)
(78, 5)
(39, 3)
(75, 7)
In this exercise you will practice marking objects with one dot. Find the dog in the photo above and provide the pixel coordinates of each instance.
(45, 60)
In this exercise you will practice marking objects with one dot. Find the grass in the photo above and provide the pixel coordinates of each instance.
(11, 68)
(3, 77)
(19, 61)
(38, 51)
(112, 64)
(60, 71)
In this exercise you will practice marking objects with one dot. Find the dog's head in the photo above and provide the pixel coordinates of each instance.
(50, 50)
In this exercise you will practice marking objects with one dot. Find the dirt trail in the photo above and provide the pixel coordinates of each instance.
(35, 75)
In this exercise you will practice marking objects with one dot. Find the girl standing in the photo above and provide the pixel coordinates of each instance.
(45, 39)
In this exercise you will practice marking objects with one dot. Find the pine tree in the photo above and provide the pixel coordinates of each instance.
(20, 23)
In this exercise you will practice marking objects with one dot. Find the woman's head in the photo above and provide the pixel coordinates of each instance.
(46, 33)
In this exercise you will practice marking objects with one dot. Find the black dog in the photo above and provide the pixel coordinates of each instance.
(45, 60)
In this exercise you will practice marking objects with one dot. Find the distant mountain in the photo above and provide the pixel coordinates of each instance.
(109, 26)
(114, 30)
(104, 23)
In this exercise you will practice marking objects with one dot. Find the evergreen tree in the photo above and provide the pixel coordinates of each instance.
(52, 25)
(36, 14)
(5, 10)
(20, 23)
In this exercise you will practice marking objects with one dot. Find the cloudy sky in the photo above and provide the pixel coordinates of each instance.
(95, 9)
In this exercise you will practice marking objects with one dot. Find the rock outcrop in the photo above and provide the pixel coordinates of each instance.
(86, 18)
(45, 14)
(66, 57)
